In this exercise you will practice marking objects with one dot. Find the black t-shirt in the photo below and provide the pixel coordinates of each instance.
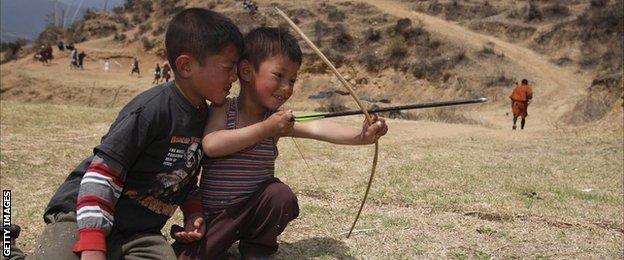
(156, 138)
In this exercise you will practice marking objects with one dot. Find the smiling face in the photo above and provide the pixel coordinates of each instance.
(271, 85)
(213, 80)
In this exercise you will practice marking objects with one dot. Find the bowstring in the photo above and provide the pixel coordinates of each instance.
(275, 23)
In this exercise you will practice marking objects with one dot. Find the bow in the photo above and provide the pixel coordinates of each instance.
(357, 100)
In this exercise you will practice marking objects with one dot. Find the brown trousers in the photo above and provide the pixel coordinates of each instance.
(256, 223)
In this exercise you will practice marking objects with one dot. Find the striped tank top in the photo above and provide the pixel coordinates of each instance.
(231, 179)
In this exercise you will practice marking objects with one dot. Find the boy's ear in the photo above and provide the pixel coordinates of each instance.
(245, 70)
(184, 65)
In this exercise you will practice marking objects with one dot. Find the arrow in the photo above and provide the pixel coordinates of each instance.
(311, 117)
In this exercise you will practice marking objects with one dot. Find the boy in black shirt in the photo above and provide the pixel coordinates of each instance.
(114, 204)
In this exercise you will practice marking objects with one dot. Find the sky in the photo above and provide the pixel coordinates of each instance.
(28, 18)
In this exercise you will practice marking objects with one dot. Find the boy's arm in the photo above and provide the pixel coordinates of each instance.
(218, 141)
(333, 132)
(100, 189)
(192, 204)
(104, 179)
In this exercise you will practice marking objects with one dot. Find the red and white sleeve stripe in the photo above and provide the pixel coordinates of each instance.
(100, 189)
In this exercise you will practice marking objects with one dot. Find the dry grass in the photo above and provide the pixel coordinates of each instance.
(442, 190)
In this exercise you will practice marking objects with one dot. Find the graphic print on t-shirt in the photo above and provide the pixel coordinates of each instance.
(184, 163)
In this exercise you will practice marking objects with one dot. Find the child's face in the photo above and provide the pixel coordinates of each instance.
(274, 80)
(214, 79)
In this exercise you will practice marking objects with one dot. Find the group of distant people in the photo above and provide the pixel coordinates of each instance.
(61, 45)
(163, 72)
(44, 55)
(77, 59)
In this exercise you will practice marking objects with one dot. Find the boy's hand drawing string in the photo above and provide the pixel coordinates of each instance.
(357, 100)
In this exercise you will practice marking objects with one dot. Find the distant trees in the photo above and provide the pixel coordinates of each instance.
(11, 49)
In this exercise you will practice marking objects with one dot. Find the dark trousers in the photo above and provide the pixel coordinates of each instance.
(256, 223)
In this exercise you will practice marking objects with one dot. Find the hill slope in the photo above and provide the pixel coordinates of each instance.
(410, 57)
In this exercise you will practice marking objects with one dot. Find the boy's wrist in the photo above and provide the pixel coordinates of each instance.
(361, 140)
(191, 207)
(266, 130)
(193, 216)
(91, 255)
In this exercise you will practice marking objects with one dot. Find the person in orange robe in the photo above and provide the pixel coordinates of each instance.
(520, 99)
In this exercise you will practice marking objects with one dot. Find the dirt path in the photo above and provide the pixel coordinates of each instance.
(560, 88)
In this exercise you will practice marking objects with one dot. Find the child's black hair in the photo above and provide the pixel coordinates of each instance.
(264, 42)
(200, 32)
(525, 82)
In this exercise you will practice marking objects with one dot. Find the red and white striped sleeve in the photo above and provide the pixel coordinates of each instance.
(100, 189)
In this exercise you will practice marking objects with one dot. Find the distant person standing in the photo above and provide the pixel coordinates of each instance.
(44, 55)
(520, 99)
(166, 72)
(61, 46)
(41, 55)
(156, 74)
(81, 57)
(73, 64)
(48, 53)
(135, 67)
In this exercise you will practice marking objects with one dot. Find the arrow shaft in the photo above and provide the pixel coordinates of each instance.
(394, 108)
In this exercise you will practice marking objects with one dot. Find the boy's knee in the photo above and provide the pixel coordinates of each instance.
(281, 196)
(58, 237)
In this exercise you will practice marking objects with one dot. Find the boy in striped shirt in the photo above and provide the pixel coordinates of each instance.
(114, 204)
(241, 200)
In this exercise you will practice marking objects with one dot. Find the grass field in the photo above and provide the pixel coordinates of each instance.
(441, 191)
